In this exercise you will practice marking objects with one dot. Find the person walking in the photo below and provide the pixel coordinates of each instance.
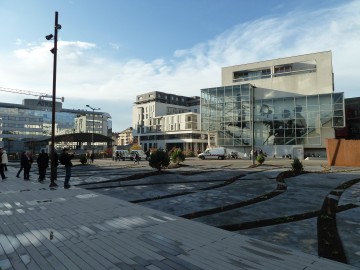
(92, 156)
(65, 159)
(27, 162)
(2, 167)
(5, 160)
(21, 165)
(43, 163)
(88, 161)
(136, 158)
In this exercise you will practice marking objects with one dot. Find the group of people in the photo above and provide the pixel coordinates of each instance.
(43, 160)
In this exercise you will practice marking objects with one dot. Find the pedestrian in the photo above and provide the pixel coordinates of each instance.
(5, 159)
(136, 158)
(88, 161)
(27, 162)
(92, 156)
(3, 177)
(65, 159)
(21, 164)
(43, 163)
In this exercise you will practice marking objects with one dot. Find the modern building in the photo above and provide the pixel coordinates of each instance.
(32, 121)
(124, 137)
(281, 106)
(163, 120)
(352, 113)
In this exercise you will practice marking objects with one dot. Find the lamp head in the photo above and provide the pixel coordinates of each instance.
(49, 37)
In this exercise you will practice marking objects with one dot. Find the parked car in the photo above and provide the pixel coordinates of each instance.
(141, 153)
(213, 153)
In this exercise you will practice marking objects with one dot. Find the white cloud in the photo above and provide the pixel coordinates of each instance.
(84, 76)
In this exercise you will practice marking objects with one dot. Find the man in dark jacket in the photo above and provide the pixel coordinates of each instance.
(65, 159)
(21, 164)
(43, 163)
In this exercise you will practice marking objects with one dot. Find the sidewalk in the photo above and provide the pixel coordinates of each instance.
(46, 229)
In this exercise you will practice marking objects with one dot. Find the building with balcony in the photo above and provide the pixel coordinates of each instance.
(163, 120)
(282, 106)
(124, 137)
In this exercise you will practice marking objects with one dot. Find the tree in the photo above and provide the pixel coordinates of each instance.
(260, 158)
(297, 166)
(177, 155)
(159, 159)
(135, 147)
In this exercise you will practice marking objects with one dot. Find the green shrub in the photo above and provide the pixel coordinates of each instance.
(297, 166)
(159, 159)
(260, 159)
(177, 156)
(83, 159)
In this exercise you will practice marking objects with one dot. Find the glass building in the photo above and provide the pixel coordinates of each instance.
(231, 111)
(32, 121)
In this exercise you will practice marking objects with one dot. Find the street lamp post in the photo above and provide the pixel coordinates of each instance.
(93, 129)
(54, 52)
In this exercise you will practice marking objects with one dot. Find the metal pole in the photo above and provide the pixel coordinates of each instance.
(92, 135)
(253, 122)
(53, 176)
(156, 134)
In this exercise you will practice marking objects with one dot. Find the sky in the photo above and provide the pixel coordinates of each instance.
(112, 50)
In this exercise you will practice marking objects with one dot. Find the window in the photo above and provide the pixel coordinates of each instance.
(282, 69)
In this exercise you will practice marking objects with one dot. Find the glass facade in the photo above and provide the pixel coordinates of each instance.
(297, 120)
(17, 122)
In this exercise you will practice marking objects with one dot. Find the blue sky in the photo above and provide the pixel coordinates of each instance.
(111, 51)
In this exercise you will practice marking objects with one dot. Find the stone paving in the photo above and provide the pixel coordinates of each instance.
(85, 229)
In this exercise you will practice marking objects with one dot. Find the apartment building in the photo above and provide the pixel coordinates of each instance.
(163, 120)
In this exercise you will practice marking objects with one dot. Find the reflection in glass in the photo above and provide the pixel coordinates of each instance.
(281, 121)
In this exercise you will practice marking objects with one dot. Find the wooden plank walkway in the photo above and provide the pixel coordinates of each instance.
(78, 229)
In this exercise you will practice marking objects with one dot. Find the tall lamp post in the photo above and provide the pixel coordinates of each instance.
(93, 131)
(54, 52)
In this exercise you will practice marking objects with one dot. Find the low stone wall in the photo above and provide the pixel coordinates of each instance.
(343, 152)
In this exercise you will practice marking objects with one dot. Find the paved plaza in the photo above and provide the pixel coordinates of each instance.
(119, 215)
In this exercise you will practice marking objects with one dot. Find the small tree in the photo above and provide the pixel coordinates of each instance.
(297, 166)
(177, 156)
(135, 147)
(159, 159)
(260, 159)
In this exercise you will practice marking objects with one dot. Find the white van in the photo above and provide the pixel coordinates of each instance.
(213, 153)
(121, 155)
(141, 153)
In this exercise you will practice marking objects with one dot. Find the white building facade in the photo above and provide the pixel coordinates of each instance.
(163, 120)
